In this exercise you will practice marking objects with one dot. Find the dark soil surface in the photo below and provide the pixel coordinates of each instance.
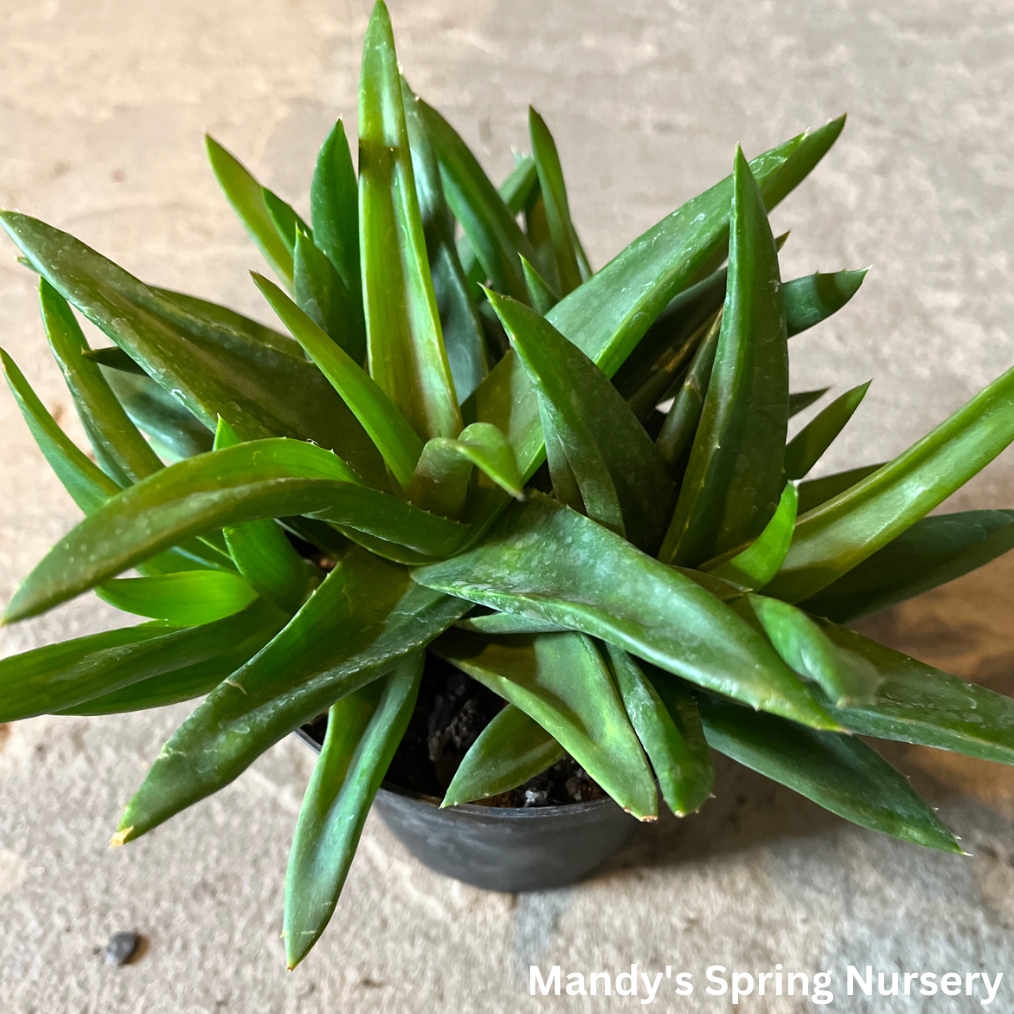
(451, 711)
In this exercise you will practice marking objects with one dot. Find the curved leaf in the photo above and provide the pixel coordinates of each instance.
(833, 538)
(363, 731)
(801, 400)
(287, 222)
(840, 773)
(670, 731)
(512, 749)
(61, 676)
(508, 623)
(814, 492)
(393, 435)
(246, 196)
(541, 296)
(547, 562)
(261, 479)
(186, 599)
(621, 478)
(562, 682)
(932, 552)
(406, 349)
(814, 298)
(807, 447)
(733, 480)
(364, 618)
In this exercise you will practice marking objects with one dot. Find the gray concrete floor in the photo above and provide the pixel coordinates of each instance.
(102, 106)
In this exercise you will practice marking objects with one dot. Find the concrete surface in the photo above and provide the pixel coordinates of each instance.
(102, 106)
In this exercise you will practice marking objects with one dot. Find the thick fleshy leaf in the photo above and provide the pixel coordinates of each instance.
(806, 448)
(562, 682)
(261, 479)
(571, 263)
(679, 428)
(486, 220)
(364, 618)
(840, 773)
(733, 480)
(622, 480)
(509, 623)
(88, 486)
(263, 554)
(801, 400)
(246, 196)
(61, 676)
(182, 600)
(838, 535)
(844, 677)
(916, 703)
(811, 149)
(406, 349)
(932, 552)
(287, 222)
(814, 298)
(118, 445)
(459, 319)
(814, 492)
(754, 566)
(392, 433)
(673, 739)
(545, 561)
(212, 370)
(334, 212)
(322, 295)
(512, 749)
(541, 296)
(445, 467)
(363, 731)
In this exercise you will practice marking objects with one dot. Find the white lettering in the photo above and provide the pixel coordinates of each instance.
(741, 990)
(866, 985)
(631, 977)
(821, 994)
(535, 973)
(651, 989)
(575, 985)
(604, 976)
(929, 983)
(991, 988)
(951, 984)
(684, 984)
(717, 980)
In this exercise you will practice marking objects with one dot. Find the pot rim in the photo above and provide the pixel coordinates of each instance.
(476, 809)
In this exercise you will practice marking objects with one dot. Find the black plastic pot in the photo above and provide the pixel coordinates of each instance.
(503, 848)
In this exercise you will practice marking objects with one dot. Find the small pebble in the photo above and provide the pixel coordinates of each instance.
(121, 948)
(536, 797)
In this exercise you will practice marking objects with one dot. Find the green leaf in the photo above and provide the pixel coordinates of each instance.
(807, 447)
(733, 479)
(521, 187)
(541, 297)
(212, 370)
(508, 623)
(546, 562)
(571, 263)
(322, 295)
(263, 554)
(673, 739)
(622, 480)
(801, 400)
(364, 618)
(916, 703)
(512, 749)
(183, 600)
(676, 436)
(754, 566)
(334, 210)
(844, 677)
(261, 479)
(840, 773)
(814, 298)
(61, 676)
(406, 349)
(246, 196)
(119, 447)
(363, 732)
(440, 484)
(811, 149)
(562, 682)
(814, 492)
(287, 222)
(833, 538)
(486, 220)
(88, 486)
(459, 319)
(393, 435)
(932, 552)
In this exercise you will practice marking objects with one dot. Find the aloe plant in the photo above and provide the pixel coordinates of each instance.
(575, 486)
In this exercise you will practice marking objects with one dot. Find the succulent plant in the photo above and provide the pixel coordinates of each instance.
(455, 450)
